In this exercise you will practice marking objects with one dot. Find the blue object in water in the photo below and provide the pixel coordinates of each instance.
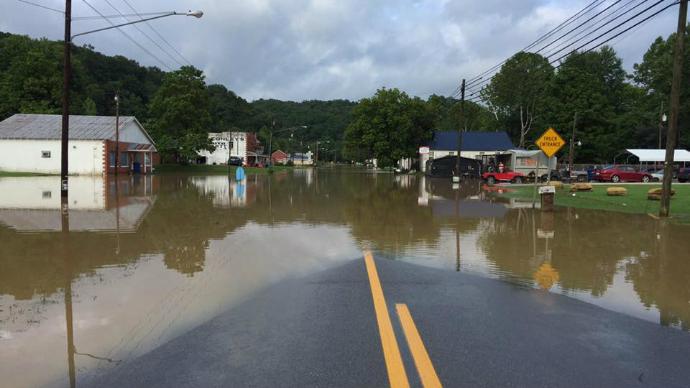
(239, 173)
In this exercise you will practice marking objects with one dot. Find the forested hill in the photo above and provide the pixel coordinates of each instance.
(31, 82)
(588, 93)
(31, 79)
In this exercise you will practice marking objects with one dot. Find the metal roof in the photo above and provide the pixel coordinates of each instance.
(659, 155)
(49, 127)
(471, 141)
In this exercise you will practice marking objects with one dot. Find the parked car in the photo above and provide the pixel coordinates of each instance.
(617, 174)
(506, 176)
(684, 175)
(657, 175)
(555, 176)
(235, 161)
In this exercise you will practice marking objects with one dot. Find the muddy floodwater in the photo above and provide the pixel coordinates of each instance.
(136, 264)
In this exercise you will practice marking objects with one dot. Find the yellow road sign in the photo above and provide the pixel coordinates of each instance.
(550, 142)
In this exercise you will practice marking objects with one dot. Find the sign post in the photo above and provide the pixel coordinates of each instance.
(549, 143)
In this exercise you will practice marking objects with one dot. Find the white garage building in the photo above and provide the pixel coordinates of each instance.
(31, 143)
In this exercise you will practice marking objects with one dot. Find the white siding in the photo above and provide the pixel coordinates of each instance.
(43, 192)
(435, 154)
(132, 133)
(224, 150)
(85, 156)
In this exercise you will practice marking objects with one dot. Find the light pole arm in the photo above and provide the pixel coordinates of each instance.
(171, 13)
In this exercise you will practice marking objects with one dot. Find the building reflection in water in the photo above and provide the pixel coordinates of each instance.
(226, 191)
(33, 204)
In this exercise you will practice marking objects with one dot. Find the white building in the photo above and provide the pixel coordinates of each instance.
(475, 145)
(32, 143)
(302, 159)
(237, 144)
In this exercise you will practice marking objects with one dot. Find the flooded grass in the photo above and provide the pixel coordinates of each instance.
(634, 202)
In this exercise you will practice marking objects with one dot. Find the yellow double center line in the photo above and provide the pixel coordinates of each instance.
(391, 352)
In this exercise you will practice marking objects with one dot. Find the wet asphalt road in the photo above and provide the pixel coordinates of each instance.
(322, 331)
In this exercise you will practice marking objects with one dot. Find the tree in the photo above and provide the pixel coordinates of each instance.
(593, 85)
(654, 75)
(31, 79)
(515, 92)
(180, 117)
(388, 126)
(448, 117)
(228, 110)
(89, 107)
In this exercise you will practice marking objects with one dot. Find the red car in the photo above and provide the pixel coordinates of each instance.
(617, 174)
(506, 176)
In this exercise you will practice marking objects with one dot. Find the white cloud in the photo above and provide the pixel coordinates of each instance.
(306, 49)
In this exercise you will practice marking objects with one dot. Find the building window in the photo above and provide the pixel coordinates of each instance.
(111, 157)
(123, 159)
(45, 154)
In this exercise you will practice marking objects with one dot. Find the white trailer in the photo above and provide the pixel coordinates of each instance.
(531, 162)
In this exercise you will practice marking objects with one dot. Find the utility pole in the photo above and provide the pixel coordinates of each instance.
(672, 135)
(460, 128)
(117, 134)
(571, 153)
(270, 143)
(66, 78)
(316, 155)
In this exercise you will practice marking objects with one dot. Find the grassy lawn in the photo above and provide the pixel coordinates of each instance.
(211, 169)
(21, 174)
(635, 202)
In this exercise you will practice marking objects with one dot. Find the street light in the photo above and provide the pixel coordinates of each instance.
(67, 76)
(270, 139)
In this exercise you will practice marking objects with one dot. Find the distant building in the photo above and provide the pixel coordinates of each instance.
(243, 145)
(279, 157)
(302, 159)
(32, 143)
(475, 145)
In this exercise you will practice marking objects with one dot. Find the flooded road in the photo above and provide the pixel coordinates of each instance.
(137, 264)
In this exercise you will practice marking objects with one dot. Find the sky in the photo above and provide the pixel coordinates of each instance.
(322, 49)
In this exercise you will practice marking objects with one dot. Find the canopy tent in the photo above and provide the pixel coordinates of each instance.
(659, 155)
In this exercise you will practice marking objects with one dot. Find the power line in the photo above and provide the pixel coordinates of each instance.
(588, 30)
(157, 33)
(621, 32)
(553, 53)
(562, 25)
(488, 79)
(580, 25)
(144, 33)
(41, 6)
(618, 34)
(117, 16)
(128, 37)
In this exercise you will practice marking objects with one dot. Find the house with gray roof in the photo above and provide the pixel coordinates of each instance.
(31, 143)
